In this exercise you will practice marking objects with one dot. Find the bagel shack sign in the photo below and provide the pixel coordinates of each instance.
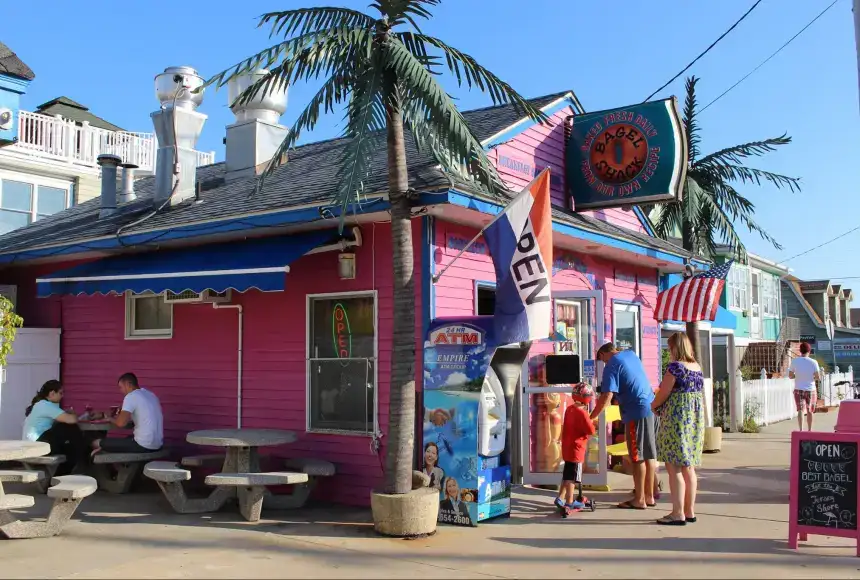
(627, 156)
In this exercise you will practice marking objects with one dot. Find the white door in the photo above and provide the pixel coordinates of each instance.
(578, 316)
(35, 360)
(755, 306)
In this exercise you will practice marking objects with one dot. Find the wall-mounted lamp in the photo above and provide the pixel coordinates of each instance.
(346, 265)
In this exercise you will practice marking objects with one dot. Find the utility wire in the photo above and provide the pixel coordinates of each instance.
(765, 61)
(840, 236)
(722, 36)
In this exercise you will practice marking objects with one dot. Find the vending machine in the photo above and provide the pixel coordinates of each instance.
(469, 384)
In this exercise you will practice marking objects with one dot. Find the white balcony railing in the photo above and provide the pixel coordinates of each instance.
(59, 140)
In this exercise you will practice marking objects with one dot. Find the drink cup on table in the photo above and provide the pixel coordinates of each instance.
(114, 411)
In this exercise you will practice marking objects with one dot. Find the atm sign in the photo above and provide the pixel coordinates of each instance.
(455, 336)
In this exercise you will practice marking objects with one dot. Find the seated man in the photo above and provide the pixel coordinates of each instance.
(142, 408)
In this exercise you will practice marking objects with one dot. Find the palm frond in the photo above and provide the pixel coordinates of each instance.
(313, 20)
(400, 11)
(469, 72)
(719, 227)
(466, 155)
(365, 129)
(669, 220)
(689, 119)
(315, 48)
(733, 172)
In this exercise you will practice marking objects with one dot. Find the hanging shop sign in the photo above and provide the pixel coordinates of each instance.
(627, 156)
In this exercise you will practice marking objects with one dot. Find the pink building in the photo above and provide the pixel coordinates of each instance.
(277, 256)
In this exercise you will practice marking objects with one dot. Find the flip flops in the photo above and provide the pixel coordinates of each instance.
(627, 505)
(670, 521)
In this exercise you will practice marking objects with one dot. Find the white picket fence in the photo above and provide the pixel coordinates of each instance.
(772, 400)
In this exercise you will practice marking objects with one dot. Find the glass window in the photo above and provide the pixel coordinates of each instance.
(626, 330)
(12, 220)
(485, 303)
(342, 364)
(17, 195)
(571, 323)
(50, 200)
(148, 316)
(737, 288)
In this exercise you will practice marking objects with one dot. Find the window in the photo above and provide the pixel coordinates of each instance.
(485, 299)
(770, 295)
(626, 329)
(148, 316)
(25, 198)
(342, 363)
(737, 294)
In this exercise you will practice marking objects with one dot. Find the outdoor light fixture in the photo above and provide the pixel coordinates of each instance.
(346, 265)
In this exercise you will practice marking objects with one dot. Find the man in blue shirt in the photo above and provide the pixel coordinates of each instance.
(625, 378)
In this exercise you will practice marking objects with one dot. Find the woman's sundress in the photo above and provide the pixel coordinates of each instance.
(681, 433)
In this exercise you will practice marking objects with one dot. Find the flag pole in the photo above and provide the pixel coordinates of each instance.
(525, 190)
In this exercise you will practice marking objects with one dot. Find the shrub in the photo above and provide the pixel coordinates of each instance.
(751, 410)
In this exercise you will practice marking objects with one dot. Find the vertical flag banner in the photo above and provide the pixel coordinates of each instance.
(520, 242)
(695, 298)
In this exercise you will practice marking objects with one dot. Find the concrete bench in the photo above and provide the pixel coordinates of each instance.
(67, 491)
(252, 488)
(48, 465)
(314, 469)
(127, 466)
(213, 459)
(170, 476)
(16, 476)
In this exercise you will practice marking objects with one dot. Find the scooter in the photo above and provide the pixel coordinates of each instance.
(580, 504)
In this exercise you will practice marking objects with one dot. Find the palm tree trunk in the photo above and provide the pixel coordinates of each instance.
(692, 327)
(401, 406)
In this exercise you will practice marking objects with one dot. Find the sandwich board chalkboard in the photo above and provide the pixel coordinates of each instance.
(824, 478)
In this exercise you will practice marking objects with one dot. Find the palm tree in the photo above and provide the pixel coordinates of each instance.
(711, 205)
(384, 69)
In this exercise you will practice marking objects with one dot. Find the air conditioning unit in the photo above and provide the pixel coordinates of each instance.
(205, 297)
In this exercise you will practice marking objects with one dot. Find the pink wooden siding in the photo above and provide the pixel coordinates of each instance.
(194, 373)
(521, 158)
(455, 291)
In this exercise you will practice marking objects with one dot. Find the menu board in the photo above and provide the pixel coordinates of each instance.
(827, 486)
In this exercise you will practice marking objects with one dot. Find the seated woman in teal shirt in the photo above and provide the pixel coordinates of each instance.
(46, 421)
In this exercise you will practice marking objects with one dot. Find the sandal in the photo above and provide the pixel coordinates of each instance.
(670, 521)
(627, 505)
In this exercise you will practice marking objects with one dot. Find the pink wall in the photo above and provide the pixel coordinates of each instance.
(194, 373)
(540, 146)
(455, 294)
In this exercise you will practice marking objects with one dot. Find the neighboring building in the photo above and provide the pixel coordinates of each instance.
(278, 255)
(855, 318)
(815, 303)
(48, 157)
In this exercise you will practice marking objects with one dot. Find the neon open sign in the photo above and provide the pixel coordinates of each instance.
(341, 332)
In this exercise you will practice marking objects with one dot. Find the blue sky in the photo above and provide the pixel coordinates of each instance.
(610, 52)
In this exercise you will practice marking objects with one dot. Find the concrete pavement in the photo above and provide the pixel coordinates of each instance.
(741, 532)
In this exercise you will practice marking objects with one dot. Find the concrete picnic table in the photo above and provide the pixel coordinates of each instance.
(16, 450)
(242, 444)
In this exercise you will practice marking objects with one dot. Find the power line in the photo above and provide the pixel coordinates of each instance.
(765, 61)
(840, 236)
(722, 36)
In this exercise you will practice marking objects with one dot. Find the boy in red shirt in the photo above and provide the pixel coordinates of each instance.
(576, 430)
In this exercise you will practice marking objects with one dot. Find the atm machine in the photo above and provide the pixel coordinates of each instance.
(469, 387)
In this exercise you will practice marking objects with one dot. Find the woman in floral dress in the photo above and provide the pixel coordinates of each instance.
(681, 433)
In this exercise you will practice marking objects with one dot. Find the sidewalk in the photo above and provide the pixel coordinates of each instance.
(741, 533)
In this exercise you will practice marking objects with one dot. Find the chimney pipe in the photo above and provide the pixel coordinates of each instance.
(108, 163)
(127, 194)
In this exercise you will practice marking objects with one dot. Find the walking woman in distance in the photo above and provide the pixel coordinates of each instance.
(805, 372)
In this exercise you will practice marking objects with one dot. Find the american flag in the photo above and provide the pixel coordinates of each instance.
(695, 298)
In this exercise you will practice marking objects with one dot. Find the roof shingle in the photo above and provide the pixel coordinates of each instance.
(11, 65)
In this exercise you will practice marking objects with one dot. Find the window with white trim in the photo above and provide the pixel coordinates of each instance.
(737, 284)
(25, 198)
(626, 328)
(770, 295)
(147, 315)
(485, 299)
(341, 364)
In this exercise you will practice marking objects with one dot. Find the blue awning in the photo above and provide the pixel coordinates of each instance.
(258, 263)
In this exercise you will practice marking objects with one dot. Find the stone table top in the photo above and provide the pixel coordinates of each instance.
(241, 437)
(14, 450)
